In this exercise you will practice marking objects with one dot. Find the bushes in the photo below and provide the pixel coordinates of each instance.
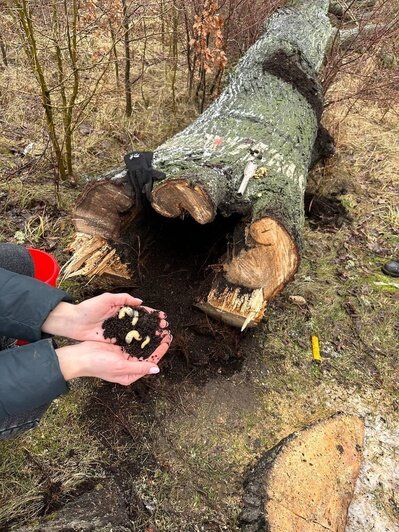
(75, 54)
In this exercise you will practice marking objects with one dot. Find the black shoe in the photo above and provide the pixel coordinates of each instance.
(391, 268)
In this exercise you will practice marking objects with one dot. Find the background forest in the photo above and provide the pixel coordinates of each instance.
(84, 82)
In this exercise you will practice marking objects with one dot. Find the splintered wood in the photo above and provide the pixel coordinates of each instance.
(93, 256)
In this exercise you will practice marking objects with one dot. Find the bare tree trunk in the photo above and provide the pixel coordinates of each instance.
(73, 56)
(3, 51)
(115, 53)
(128, 88)
(25, 20)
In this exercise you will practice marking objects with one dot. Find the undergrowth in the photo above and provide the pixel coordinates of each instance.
(182, 454)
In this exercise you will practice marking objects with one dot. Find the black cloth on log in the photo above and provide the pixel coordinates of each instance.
(141, 175)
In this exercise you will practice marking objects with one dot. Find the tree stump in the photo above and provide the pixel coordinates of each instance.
(249, 153)
(306, 482)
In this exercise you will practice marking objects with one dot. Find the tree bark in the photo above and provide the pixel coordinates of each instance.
(104, 207)
(263, 127)
(265, 120)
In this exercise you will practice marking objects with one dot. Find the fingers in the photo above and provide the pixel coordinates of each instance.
(163, 324)
(166, 336)
(161, 350)
(135, 369)
(126, 299)
(139, 368)
(161, 313)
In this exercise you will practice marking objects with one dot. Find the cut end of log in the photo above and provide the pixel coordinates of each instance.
(268, 260)
(264, 259)
(92, 257)
(102, 209)
(175, 197)
(306, 482)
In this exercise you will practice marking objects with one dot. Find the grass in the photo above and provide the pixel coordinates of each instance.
(47, 467)
(182, 455)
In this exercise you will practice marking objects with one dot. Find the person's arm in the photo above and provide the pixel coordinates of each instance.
(25, 304)
(30, 377)
(33, 375)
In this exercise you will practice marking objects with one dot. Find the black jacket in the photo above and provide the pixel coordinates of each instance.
(30, 375)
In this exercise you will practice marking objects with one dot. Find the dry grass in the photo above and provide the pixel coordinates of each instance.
(186, 450)
(47, 467)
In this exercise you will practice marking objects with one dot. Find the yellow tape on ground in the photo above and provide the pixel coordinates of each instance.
(316, 348)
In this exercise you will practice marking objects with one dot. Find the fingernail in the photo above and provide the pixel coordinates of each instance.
(139, 300)
(154, 370)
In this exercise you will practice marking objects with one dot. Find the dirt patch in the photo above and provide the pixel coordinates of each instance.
(325, 211)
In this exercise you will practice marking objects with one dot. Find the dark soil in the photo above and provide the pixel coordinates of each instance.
(172, 263)
(325, 212)
(147, 326)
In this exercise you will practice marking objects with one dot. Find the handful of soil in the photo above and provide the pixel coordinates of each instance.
(135, 331)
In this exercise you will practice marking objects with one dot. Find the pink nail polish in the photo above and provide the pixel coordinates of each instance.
(154, 370)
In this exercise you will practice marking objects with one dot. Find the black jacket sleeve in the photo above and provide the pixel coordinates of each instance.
(30, 375)
(25, 304)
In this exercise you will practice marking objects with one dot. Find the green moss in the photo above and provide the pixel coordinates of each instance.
(382, 283)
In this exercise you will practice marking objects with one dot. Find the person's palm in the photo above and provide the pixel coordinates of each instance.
(90, 314)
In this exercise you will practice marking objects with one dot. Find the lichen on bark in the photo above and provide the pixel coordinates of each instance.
(262, 107)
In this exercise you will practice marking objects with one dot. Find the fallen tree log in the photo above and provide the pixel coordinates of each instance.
(261, 130)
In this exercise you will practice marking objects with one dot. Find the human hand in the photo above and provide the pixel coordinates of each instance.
(163, 332)
(102, 360)
(83, 321)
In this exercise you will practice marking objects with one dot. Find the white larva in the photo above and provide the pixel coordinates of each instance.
(125, 311)
(135, 317)
(146, 342)
(132, 335)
